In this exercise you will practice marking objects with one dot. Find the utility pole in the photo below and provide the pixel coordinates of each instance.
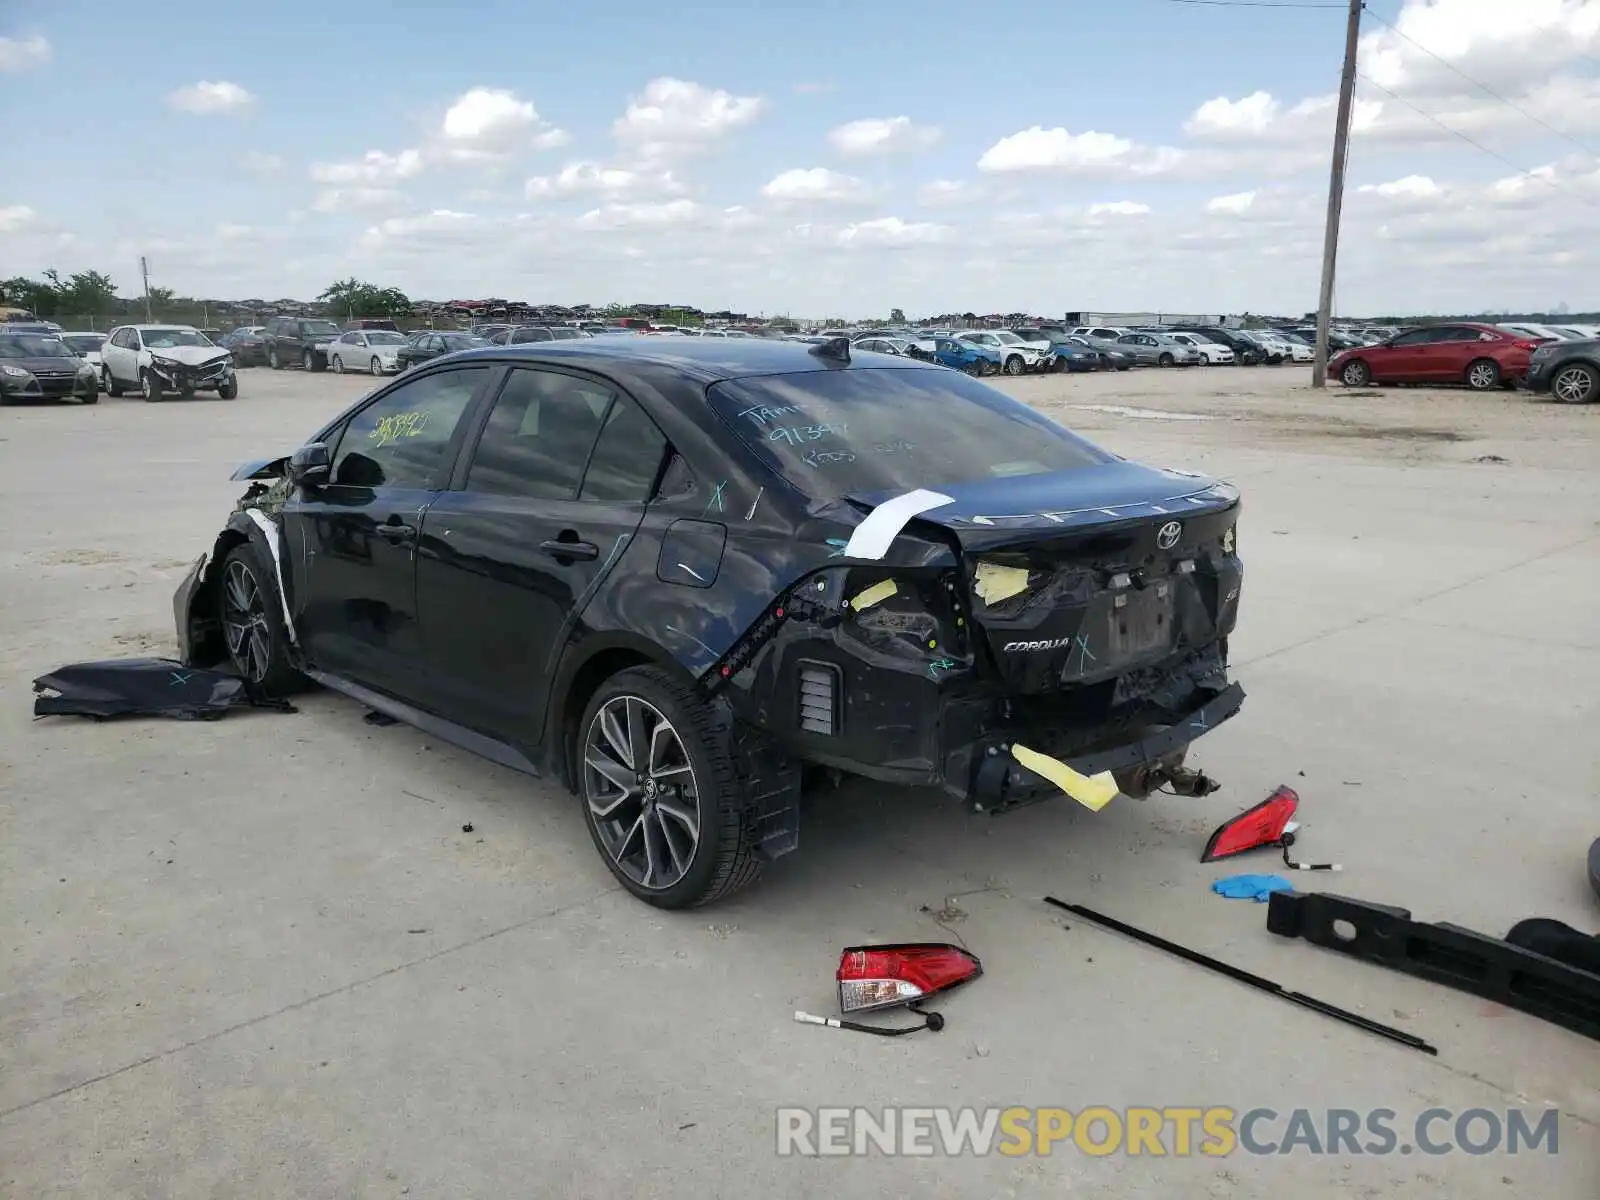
(144, 270)
(1330, 237)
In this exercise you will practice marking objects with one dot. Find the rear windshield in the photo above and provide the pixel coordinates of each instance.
(835, 433)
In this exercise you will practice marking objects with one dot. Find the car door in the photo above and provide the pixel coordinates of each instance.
(1402, 358)
(555, 487)
(353, 541)
(1447, 353)
(113, 357)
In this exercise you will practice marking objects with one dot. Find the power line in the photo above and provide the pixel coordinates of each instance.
(1472, 141)
(1478, 83)
(1259, 4)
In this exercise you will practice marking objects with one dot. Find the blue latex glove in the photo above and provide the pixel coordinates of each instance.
(1251, 887)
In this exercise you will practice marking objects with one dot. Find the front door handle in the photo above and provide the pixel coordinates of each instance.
(556, 548)
(396, 532)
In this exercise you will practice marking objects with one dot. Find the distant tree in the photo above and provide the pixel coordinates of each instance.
(897, 316)
(161, 297)
(350, 298)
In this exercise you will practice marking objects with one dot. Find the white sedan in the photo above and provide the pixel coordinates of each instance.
(1213, 354)
(372, 350)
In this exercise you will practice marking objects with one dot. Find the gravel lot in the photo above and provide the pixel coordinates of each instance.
(260, 958)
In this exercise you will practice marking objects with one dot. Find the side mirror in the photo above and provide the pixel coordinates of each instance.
(309, 465)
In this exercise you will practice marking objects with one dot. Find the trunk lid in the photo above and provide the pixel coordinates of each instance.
(1082, 576)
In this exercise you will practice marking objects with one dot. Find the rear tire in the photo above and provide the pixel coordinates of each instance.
(671, 824)
(273, 360)
(338, 364)
(1483, 375)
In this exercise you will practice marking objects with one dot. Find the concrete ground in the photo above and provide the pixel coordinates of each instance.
(261, 958)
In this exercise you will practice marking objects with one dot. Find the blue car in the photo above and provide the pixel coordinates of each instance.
(1076, 357)
(965, 356)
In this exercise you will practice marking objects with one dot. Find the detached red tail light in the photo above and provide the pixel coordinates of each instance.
(1263, 825)
(888, 976)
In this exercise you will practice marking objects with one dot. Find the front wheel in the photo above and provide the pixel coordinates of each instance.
(974, 369)
(377, 367)
(989, 368)
(108, 382)
(252, 624)
(93, 397)
(1014, 365)
(660, 795)
(1166, 360)
(150, 386)
(228, 390)
(1355, 374)
(273, 360)
(1483, 375)
(1576, 384)
(306, 360)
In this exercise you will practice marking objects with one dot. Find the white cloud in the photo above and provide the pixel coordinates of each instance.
(892, 231)
(948, 192)
(1504, 45)
(16, 217)
(1090, 153)
(487, 124)
(23, 54)
(813, 183)
(208, 99)
(260, 163)
(1119, 208)
(675, 116)
(617, 216)
(882, 135)
(1237, 203)
(1415, 187)
(1221, 116)
(354, 199)
(441, 222)
(373, 167)
(578, 178)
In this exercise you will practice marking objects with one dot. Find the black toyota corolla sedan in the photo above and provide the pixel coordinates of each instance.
(674, 573)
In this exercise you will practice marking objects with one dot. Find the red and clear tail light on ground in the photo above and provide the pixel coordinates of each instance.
(873, 977)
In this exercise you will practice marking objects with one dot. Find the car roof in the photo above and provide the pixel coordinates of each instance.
(180, 328)
(705, 361)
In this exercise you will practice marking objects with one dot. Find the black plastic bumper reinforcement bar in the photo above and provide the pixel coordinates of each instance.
(1240, 975)
(1460, 958)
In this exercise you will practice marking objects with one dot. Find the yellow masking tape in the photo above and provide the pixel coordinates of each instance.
(876, 594)
(995, 583)
(1094, 792)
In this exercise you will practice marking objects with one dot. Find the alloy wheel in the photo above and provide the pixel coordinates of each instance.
(641, 790)
(1573, 385)
(244, 623)
(1483, 376)
(338, 365)
(377, 367)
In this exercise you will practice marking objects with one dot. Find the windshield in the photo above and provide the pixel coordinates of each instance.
(85, 343)
(381, 338)
(1006, 338)
(166, 339)
(464, 341)
(319, 329)
(836, 433)
(32, 345)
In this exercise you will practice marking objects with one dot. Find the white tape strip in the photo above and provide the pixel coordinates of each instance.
(270, 529)
(873, 537)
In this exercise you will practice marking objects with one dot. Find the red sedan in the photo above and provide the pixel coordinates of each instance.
(1480, 356)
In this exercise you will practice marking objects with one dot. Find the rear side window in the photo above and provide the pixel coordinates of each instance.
(627, 457)
(864, 430)
(539, 435)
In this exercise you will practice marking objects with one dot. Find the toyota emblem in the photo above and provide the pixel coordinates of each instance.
(1167, 536)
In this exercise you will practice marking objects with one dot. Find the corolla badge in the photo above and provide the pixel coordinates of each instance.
(1167, 536)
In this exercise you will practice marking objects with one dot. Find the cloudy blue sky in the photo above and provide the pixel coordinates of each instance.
(819, 159)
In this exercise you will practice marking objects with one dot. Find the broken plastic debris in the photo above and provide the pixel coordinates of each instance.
(1094, 792)
(876, 594)
(873, 537)
(994, 582)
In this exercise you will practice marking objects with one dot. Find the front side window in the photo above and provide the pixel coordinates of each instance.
(538, 436)
(865, 430)
(401, 439)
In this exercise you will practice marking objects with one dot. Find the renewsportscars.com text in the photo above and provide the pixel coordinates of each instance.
(1159, 1132)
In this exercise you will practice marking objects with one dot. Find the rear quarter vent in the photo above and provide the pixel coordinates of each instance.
(820, 686)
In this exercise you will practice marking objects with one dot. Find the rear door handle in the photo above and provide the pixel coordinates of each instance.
(396, 532)
(556, 548)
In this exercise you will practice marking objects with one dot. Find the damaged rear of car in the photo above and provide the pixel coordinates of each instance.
(675, 574)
